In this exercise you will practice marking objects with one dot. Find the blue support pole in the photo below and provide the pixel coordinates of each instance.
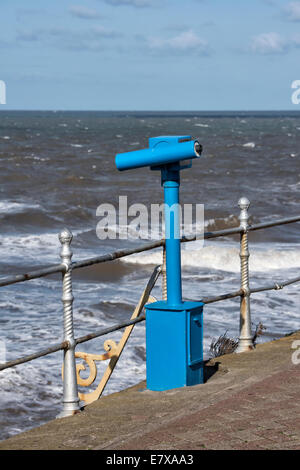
(172, 235)
(174, 329)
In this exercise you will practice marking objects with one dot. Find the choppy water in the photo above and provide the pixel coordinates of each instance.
(57, 167)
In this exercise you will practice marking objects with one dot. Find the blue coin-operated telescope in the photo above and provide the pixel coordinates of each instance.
(174, 329)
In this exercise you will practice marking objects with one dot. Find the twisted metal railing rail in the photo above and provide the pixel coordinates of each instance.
(71, 371)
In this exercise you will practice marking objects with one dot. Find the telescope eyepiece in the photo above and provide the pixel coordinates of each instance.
(198, 148)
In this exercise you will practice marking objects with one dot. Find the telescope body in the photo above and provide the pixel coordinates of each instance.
(162, 150)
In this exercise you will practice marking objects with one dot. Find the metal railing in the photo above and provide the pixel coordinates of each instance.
(71, 377)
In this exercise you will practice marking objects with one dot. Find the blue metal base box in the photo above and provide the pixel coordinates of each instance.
(174, 345)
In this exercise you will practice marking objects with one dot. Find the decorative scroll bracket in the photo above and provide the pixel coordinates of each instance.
(114, 350)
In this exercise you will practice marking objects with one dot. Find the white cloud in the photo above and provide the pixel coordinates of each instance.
(296, 40)
(292, 10)
(91, 39)
(269, 43)
(185, 42)
(30, 36)
(83, 12)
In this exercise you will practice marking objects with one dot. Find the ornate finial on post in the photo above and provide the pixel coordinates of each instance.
(245, 339)
(65, 238)
(71, 400)
(244, 205)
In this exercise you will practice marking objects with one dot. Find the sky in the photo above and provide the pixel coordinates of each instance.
(149, 54)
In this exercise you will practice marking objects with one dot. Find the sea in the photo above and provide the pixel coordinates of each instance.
(58, 167)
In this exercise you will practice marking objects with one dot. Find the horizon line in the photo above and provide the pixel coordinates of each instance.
(156, 110)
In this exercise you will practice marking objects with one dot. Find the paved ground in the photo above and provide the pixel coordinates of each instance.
(249, 401)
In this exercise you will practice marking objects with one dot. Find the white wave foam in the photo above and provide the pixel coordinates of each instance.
(226, 258)
(249, 145)
(8, 304)
(15, 207)
(31, 241)
(41, 247)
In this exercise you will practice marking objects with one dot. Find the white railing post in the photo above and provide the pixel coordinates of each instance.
(245, 338)
(70, 400)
